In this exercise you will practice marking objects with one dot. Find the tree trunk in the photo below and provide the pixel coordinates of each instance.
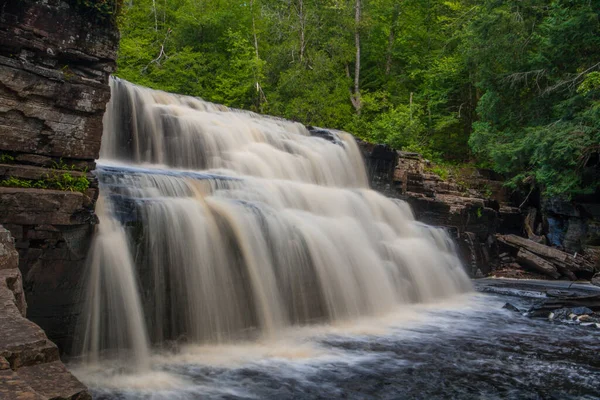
(259, 92)
(155, 16)
(356, 102)
(391, 38)
(302, 20)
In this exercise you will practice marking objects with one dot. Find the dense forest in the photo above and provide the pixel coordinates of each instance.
(513, 85)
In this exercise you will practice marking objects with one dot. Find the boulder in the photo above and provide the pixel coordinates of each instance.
(510, 307)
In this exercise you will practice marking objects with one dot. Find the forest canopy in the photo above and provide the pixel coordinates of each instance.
(513, 85)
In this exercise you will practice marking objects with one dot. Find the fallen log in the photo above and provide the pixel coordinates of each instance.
(558, 258)
(528, 259)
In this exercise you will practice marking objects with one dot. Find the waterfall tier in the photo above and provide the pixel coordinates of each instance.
(219, 224)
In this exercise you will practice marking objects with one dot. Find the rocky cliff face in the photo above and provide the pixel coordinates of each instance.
(55, 60)
(471, 216)
(477, 207)
(30, 367)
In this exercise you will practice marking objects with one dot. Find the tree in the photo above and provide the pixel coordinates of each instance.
(508, 84)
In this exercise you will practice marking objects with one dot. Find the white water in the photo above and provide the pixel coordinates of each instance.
(237, 227)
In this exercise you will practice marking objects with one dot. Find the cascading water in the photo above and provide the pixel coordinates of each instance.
(236, 225)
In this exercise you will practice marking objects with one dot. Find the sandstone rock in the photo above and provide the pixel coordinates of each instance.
(44, 94)
(53, 93)
(41, 206)
(53, 380)
(9, 258)
(34, 172)
(30, 367)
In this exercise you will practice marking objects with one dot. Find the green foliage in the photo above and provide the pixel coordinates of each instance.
(479, 212)
(511, 85)
(62, 165)
(590, 84)
(102, 9)
(441, 172)
(6, 158)
(16, 182)
(57, 181)
(538, 114)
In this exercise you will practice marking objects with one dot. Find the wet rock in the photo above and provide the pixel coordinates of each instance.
(440, 202)
(596, 279)
(581, 310)
(560, 314)
(510, 307)
(591, 318)
(539, 314)
(325, 134)
(474, 254)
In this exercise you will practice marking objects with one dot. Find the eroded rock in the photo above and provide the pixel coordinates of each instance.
(56, 57)
(30, 367)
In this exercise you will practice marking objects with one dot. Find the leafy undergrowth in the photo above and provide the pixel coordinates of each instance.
(57, 181)
(59, 178)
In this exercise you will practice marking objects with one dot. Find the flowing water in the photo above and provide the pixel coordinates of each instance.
(466, 348)
(237, 256)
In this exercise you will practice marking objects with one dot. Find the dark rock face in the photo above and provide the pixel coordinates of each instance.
(470, 217)
(474, 211)
(55, 61)
(380, 162)
(30, 367)
(572, 225)
(53, 79)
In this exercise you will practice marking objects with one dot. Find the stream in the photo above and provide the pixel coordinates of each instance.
(467, 347)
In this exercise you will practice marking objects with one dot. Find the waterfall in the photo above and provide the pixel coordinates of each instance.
(113, 319)
(219, 225)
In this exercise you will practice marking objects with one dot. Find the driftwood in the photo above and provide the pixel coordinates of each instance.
(529, 259)
(564, 263)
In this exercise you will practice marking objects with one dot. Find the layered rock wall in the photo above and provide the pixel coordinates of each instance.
(55, 60)
(474, 206)
(30, 367)
(469, 215)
